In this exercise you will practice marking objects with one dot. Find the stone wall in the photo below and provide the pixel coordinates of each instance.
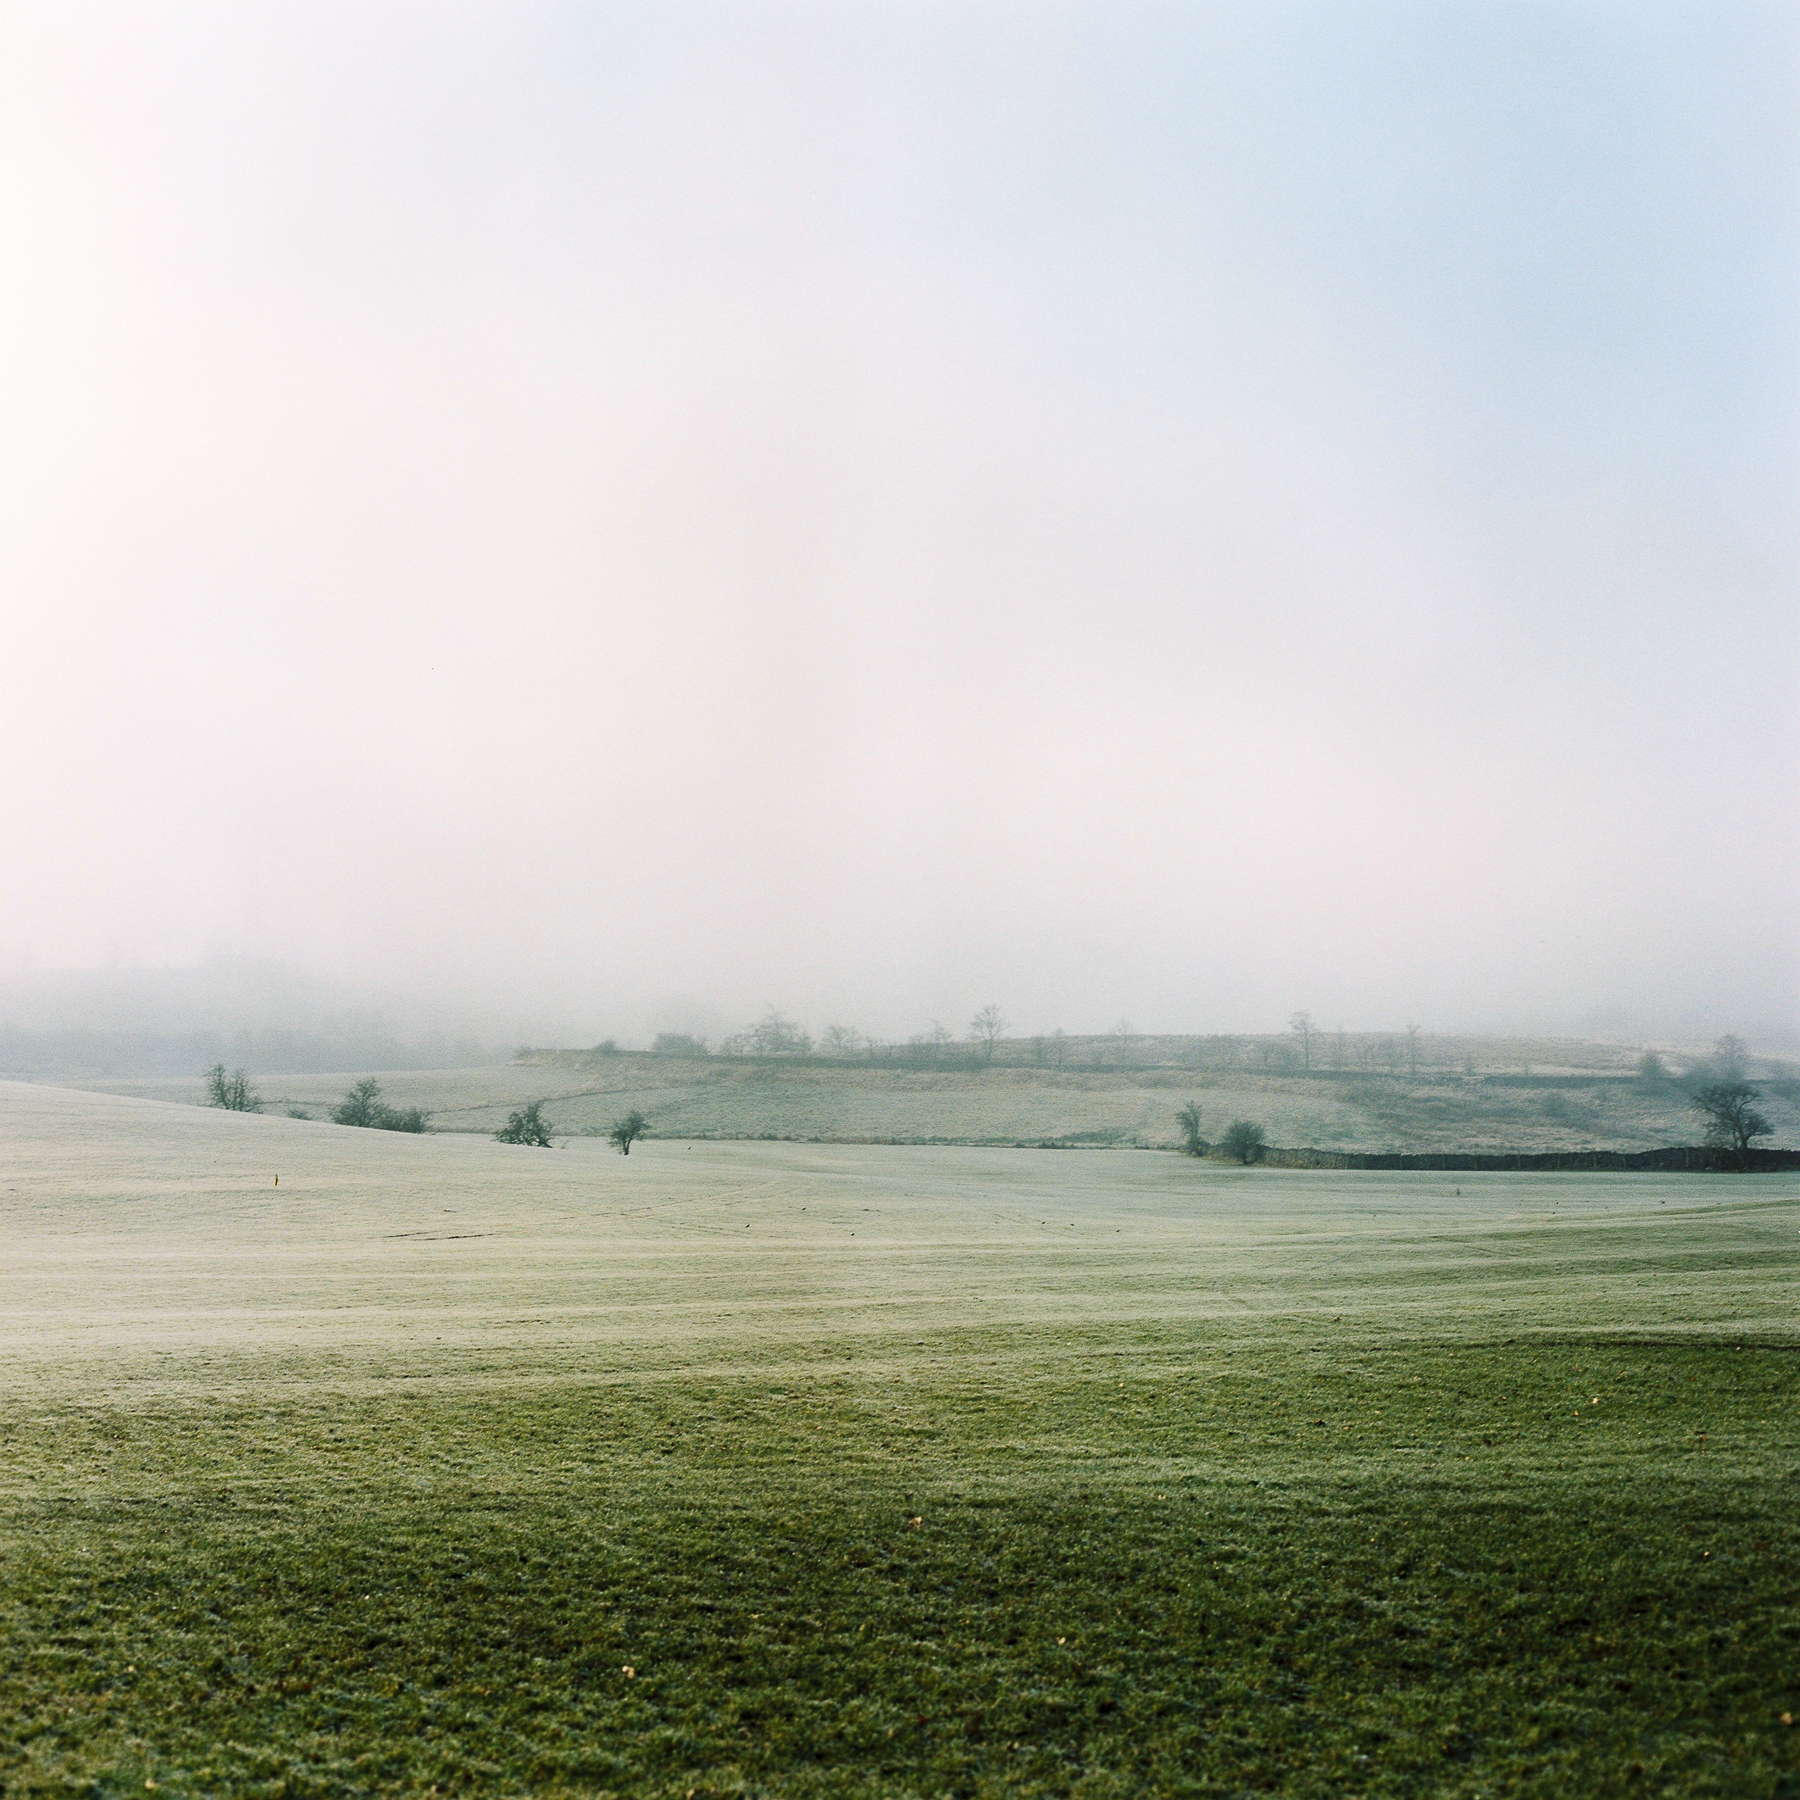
(1699, 1157)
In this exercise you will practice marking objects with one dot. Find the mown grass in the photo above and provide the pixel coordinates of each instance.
(1168, 1559)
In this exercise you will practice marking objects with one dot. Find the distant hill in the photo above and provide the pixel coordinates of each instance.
(1561, 1106)
(1576, 1096)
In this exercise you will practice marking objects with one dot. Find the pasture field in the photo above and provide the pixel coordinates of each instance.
(744, 1097)
(341, 1463)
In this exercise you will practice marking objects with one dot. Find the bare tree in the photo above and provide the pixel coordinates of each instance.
(929, 1046)
(1651, 1067)
(987, 1028)
(233, 1091)
(1731, 1057)
(628, 1130)
(1412, 1051)
(841, 1040)
(1301, 1025)
(772, 1035)
(1732, 1121)
(1124, 1036)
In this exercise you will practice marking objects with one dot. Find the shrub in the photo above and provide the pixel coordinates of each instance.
(364, 1106)
(627, 1130)
(679, 1043)
(1244, 1142)
(1192, 1143)
(526, 1126)
(360, 1105)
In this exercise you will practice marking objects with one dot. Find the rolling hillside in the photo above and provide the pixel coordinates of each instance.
(819, 1100)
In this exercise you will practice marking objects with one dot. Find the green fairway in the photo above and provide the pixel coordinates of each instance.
(782, 1469)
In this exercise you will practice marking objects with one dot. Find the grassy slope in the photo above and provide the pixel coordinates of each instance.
(851, 1102)
(881, 1471)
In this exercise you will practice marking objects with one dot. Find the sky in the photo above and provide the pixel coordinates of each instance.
(611, 518)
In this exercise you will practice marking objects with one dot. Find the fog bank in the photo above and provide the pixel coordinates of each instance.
(567, 521)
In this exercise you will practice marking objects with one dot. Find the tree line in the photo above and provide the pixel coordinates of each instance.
(776, 1035)
(1306, 1048)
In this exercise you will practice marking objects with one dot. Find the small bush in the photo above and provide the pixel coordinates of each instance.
(526, 1126)
(679, 1043)
(1244, 1142)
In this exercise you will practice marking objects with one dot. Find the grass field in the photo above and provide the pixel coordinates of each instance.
(789, 1469)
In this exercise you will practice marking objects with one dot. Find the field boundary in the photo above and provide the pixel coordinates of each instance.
(1704, 1158)
(1690, 1158)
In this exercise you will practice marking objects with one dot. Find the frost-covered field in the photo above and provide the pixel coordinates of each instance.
(346, 1462)
(137, 1229)
(849, 1102)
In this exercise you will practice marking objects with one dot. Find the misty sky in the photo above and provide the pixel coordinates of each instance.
(620, 516)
